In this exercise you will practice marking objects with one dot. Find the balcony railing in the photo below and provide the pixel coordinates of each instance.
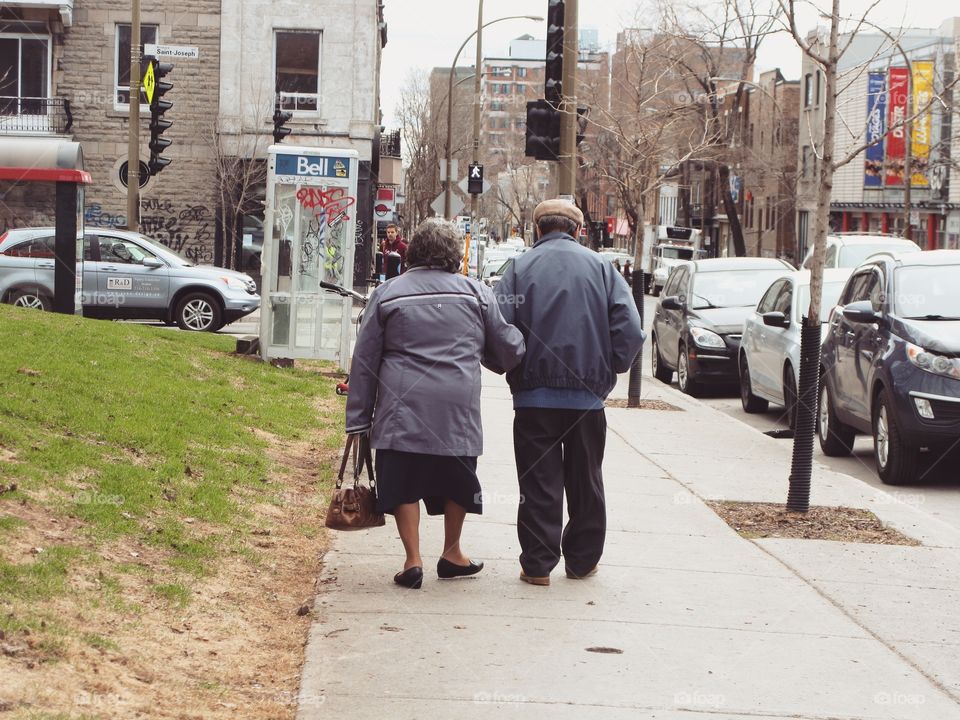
(35, 116)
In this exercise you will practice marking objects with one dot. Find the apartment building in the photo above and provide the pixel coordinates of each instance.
(65, 75)
(880, 83)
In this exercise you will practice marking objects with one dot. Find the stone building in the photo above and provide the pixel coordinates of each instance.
(321, 58)
(868, 193)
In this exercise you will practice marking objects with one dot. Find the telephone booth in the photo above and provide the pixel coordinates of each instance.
(43, 160)
(308, 238)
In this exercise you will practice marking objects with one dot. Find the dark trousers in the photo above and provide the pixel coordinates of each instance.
(557, 451)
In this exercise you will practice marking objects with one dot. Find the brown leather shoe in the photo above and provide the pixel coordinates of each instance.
(534, 580)
(572, 576)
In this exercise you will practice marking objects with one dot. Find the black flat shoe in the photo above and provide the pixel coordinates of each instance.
(412, 578)
(447, 570)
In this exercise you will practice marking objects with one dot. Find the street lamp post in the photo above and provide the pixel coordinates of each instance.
(448, 187)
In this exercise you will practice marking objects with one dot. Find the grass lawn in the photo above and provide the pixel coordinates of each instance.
(146, 475)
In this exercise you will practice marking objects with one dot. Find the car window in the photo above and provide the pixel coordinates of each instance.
(36, 248)
(928, 292)
(677, 281)
(784, 300)
(766, 303)
(731, 288)
(853, 288)
(118, 250)
(829, 299)
(831, 260)
(865, 287)
(853, 255)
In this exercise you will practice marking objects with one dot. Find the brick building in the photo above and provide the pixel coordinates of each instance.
(323, 59)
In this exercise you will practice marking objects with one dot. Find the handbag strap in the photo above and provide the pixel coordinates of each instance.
(351, 441)
(364, 456)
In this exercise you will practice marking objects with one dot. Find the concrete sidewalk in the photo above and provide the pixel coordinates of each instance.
(685, 620)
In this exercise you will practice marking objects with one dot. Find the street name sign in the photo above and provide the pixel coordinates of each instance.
(178, 52)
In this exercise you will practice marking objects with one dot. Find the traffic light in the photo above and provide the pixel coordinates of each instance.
(158, 107)
(543, 131)
(280, 118)
(475, 179)
(554, 70)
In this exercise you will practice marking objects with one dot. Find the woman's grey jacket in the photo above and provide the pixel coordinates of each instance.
(415, 375)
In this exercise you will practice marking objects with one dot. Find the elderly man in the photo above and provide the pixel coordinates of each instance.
(581, 328)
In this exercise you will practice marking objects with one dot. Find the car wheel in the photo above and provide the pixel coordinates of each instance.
(199, 312)
(836, 438)
(751, 403)
(790, 396)
(30, 299)
(660, 371)
(687, 384)
(898, 462)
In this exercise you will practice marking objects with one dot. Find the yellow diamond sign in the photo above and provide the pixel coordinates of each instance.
(149, 83)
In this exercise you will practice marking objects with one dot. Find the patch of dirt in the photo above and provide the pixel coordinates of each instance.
(843, 524)
(644, 405)
(235, 650)
(7, 455)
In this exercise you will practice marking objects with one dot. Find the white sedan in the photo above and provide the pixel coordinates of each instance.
(770, 347)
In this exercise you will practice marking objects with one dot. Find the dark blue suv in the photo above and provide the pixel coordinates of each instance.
(890, 362)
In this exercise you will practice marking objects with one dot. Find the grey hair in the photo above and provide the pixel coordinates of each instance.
(436, 243)
(557, 223)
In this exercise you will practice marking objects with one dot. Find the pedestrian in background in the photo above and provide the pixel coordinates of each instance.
(415, 387)
(628, 273)
(393, 246)
(581, 328)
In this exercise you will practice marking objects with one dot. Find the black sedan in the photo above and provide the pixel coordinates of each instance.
(699, 319)
(890, 363)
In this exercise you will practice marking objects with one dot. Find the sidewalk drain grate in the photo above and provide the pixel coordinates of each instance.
(644, 405)
(768, 520)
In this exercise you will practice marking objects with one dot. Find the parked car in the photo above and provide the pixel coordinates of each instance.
(126, 275)
(890, 363)
(770, 347)
(616, 256)
(493, 270)
(699, 320)
(849, 251)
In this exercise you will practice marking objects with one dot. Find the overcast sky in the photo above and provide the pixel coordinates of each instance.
(427, 33)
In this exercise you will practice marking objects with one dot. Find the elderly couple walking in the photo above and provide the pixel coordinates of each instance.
(562, 325)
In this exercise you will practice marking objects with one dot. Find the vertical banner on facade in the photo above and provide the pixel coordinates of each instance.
(922, 126)
(898, 86)
(876, 126)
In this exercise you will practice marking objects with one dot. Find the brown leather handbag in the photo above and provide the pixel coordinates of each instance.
(355, 507)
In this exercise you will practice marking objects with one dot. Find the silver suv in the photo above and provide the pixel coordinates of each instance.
(126, 275)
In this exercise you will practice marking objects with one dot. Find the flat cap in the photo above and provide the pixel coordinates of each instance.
(563, 208)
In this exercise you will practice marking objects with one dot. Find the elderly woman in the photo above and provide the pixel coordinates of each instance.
(415, 387)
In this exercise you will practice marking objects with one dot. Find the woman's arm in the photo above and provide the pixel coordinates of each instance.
(365, 368)
(503, 346)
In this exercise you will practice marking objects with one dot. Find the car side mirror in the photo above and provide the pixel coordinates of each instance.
(151, 262)
(861, 312)
(776, 319)
(671, 302)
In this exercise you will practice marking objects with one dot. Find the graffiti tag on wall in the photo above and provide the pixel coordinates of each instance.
(185, 230)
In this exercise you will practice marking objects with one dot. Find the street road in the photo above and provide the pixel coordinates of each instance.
(938, 494)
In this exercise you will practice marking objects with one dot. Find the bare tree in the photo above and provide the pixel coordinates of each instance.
(421, 149)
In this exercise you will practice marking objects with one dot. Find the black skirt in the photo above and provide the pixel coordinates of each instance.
(404, 477)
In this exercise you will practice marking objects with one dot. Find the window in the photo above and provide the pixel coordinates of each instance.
(806, 163)
(24, 73)
(521, 72)
(496, 107)
(117, 250)
(784, 300)
(298, 69)
(148, 35)
(807, 90)
(816, 97)
(37, 248)
(770, 298)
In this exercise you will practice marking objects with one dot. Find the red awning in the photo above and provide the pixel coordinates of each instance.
(21, 174)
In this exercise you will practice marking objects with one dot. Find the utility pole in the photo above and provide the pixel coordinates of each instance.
(474, 198)
(133, 152)
(568, 103)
